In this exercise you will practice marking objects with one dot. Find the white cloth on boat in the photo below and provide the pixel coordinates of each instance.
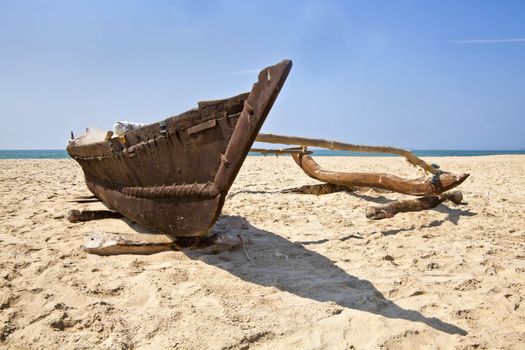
(122, 127)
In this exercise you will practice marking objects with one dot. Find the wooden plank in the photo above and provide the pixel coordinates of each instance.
(111, 243)
(202, 127)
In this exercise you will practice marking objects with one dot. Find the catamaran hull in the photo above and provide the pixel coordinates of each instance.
(173, 176)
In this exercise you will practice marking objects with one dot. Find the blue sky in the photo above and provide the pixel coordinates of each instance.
(416, 74)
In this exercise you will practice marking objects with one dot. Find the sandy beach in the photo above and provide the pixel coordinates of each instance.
(322, 276)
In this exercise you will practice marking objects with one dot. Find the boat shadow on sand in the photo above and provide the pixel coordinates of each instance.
(277, 262)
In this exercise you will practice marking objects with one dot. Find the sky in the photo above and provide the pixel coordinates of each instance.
(413, 74)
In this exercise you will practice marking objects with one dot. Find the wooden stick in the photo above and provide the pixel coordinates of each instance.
(415, 187)
(402, 206)
(75, 215)
(303, 141)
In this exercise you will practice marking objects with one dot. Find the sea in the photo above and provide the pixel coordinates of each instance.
(62, 154)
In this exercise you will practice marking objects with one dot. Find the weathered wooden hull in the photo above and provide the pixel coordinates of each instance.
(174, 175)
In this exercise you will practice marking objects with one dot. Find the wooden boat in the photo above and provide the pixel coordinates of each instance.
(174, 175)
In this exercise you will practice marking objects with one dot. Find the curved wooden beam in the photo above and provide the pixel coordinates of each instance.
(415, 187)
(303, 141)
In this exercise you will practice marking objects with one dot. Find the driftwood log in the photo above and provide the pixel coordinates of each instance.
(439, 183)
(75, 215)
(403, 206)
(108, 243)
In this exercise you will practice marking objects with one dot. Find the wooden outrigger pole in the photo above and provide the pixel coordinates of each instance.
(294, 150)
(439, 182)
(306, 142)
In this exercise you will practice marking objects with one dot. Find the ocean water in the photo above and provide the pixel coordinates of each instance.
(60, 154)
(33, 154)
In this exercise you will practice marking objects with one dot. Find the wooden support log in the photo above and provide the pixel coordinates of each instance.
(84, 199)
(75, 215)
(90, 196)
(109, 243)
(416, 187)
(319, 189)
(403, 206)
(303, 141)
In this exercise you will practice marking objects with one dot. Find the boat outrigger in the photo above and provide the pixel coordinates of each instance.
(174, 175)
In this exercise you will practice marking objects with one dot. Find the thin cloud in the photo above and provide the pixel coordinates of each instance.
(488, 41)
